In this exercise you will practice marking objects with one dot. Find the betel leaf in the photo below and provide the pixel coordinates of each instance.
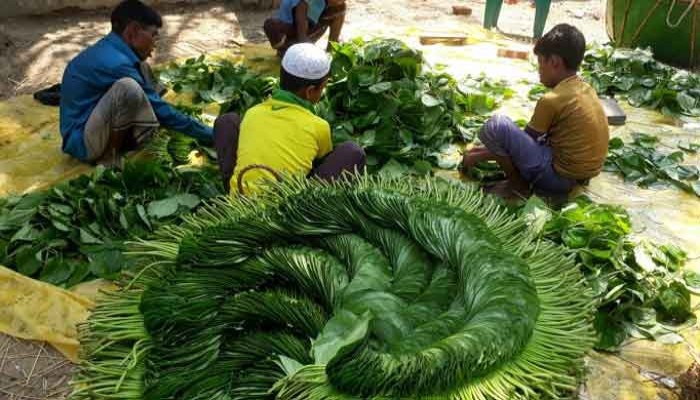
(141, 211)
(27, 260)
(106, 260)
(61, 226)
(26, 233)
(380, 87)
(669, 338)
(689, 147)
(422, 167)
(537, 214)
(692, 280)
(673, 303)
(344, 329)
(81, 271)
(686, 101)
(163, 208)
(87, 238)
(429, 100)
(56, 271)
(290, 366)
(169, 206)
(123, 221)
(644, 260)
(187, 200)
(393, 168)
(611, 332)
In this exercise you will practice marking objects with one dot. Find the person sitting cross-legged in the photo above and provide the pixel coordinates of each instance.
(283, 135)
(109, 99)
(566, 141)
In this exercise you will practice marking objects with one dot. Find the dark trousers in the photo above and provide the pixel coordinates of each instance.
(346, 157)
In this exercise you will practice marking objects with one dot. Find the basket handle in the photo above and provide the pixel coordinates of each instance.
(682, 17)
(239, 182)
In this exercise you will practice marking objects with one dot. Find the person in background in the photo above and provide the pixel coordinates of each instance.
(109, 100)
(301, 21)
(283, 135)
(493, 10)
(566, 141)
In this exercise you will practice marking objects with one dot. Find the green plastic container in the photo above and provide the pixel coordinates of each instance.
(670, 27)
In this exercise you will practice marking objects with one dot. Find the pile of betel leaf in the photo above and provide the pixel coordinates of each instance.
(644, 82)
(381, 94)
(641, 288)
(215, 81)
(76, 230)
(640, 161)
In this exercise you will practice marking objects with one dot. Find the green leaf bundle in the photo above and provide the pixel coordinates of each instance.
(373, 288)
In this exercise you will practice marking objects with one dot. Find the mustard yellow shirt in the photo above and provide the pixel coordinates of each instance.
(282, 133)
(576, 126)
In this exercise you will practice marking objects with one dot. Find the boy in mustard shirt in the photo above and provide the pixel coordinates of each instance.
(565, 142)
(283, 135)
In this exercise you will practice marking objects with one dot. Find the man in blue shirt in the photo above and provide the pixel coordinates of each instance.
(109, 103)
(301, 21)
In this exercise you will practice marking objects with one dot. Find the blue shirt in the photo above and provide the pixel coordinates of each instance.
(286, 12)
(90, 75)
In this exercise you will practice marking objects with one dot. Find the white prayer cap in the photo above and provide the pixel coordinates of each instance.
(306, 61)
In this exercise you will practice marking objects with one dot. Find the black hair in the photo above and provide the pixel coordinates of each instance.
(134, 11)
(293, 83)
(565, 41)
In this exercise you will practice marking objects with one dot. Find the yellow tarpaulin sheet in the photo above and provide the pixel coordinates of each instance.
(30, 158)
(30, 147)
(35, 310)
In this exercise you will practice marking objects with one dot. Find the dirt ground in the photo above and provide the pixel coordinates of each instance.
(35, 50)
(31, 370)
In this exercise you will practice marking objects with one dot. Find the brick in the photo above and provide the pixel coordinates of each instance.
(455, 40)
(461, 10)
(514, 53)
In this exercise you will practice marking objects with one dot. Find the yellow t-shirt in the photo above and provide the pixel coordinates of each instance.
(281, 135)
(576, 126)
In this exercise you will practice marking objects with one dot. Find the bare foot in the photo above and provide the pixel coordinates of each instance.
(112, 160)
(474, 156)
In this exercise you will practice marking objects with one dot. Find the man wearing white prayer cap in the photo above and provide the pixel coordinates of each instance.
(283, 135)
(300, 21)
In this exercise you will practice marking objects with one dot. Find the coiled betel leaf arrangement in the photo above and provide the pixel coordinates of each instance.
(364, 289)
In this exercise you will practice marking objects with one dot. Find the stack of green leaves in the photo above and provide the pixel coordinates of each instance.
(382, 96)
(641, 162)
(641, 289)
(76, 230)
(175, 148)
(214, 81)
(643, 81)
(372, 289)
